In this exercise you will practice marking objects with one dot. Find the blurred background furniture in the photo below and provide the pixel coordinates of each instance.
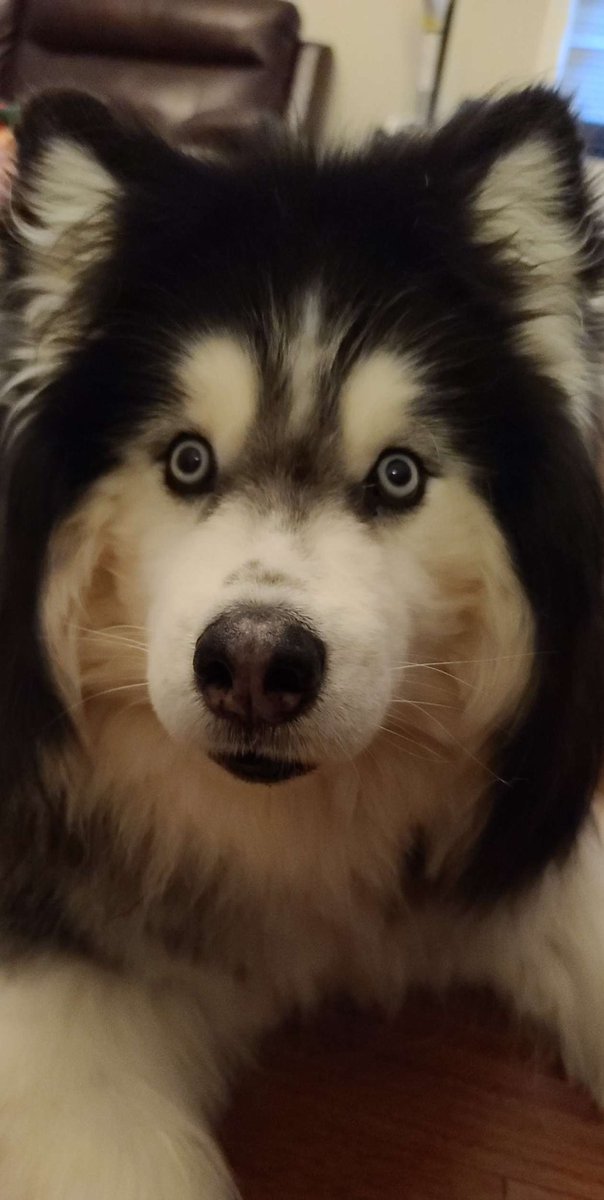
(194, 67)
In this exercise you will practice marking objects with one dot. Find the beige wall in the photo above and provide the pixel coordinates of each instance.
(501, 43)
(376, 44)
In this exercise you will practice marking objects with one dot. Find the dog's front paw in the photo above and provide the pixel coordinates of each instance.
(97, 1098)
(87, 1163)
(20, 1183)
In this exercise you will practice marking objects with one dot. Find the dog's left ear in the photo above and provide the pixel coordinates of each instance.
(518, 171)
(517, 167)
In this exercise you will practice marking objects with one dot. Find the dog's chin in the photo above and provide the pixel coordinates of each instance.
(260, 768)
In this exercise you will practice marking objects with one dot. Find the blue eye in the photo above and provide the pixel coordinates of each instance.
(398, 475)
(189, 465)
(397, 479)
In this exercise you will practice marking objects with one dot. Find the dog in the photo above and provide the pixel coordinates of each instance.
(300, 612)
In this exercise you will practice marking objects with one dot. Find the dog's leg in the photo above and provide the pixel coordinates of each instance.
(545, 952)
(102, 1089)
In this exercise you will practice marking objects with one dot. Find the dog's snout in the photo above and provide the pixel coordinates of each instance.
(258, 666)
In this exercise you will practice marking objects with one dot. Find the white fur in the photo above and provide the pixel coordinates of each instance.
(518, 209)
(393, 382)
(71, 188)
(99, 1081)
(309, 353)
(220, 385)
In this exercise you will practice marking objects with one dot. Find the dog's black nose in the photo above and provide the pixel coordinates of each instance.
(258, 666)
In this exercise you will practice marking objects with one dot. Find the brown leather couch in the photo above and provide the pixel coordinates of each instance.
(193, 66)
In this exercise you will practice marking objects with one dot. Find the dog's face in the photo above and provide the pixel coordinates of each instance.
(290, 543)
(312, 440)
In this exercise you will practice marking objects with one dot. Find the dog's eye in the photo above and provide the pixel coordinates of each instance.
(397, 480)
(189, 465)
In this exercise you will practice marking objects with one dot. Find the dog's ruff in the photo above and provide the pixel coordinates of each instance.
(434, 299)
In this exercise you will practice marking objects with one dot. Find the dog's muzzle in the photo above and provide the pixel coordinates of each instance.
(259, 667)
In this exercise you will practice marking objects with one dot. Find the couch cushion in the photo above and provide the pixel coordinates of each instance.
(191, 66)
(236, 31)
(169, 96)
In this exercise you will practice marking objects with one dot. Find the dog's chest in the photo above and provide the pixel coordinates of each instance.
(307, 891)
(298, 944)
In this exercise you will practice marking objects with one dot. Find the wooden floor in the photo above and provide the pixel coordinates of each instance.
(447, 1104)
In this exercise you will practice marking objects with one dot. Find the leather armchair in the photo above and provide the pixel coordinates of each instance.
(195, 67)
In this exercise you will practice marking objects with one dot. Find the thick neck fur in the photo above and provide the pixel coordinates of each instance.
(203, 866)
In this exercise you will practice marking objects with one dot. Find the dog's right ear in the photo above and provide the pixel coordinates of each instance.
(60, 227)
(76, 158)
(78, 163)
(64, 194)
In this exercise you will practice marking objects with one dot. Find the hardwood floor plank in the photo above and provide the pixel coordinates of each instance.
(522, 1191)
(445, 1104)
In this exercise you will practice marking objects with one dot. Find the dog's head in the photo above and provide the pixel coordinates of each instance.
(300, 454)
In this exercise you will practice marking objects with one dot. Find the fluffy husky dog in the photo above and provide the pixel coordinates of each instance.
(301, 622)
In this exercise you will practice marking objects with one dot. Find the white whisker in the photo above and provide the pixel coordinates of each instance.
(460, 745)
(436, 671)
(107, 635)
(431, 754)
(457, 662)
(122, 687)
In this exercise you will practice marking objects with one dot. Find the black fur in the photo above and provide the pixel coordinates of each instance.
(204, 245)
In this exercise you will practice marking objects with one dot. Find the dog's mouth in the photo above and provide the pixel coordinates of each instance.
(259, 768)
